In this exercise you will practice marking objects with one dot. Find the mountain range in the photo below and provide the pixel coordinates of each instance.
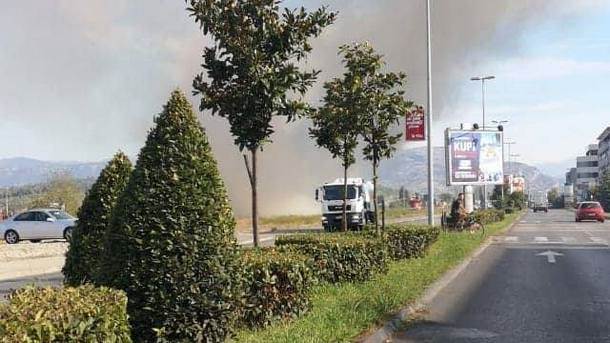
(408, 168)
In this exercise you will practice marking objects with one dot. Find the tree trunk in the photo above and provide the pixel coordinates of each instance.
(344, 224)
(375, 195)
(251, 169)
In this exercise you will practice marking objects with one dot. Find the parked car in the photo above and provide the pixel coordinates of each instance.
(590, 210)
(36, 225)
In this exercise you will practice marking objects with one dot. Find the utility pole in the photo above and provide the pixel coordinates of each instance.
(429, 119)
(509, 143)
(482, 79)
(500, 123)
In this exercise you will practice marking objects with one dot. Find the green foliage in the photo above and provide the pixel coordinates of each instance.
(340, 257)
(85, 250)
(516, 200)
(277, 286)
(171, 244)
(253, 69)
(603, 193)
(489, 216)
(83, 314)
(407, 240)
(62, 190)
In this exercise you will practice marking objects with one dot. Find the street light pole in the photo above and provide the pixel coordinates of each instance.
(429, 119)
(482, 79)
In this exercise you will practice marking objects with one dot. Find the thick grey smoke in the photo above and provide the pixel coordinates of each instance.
(83, 79)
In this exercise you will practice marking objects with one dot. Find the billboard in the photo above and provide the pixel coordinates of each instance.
(474, 157)
(415, 125)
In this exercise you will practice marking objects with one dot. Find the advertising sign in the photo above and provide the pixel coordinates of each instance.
(518, 184)
(474, 157)
(415, 125)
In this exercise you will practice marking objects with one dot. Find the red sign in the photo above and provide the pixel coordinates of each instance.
(415, 125)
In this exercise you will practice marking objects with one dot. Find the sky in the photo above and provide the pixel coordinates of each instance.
(81, 80)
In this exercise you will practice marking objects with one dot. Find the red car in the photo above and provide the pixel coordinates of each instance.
(590, 210)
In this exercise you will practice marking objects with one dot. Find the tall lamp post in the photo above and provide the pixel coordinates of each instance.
(429, 119)
(501, 123)
(482, 79)
(512, 155)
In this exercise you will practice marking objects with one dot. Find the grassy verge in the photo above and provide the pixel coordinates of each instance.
(342, 312)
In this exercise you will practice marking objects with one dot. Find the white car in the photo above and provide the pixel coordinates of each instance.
(37, 224)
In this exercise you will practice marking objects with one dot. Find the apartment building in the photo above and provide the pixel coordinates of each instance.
(587, 173)
(604, 151)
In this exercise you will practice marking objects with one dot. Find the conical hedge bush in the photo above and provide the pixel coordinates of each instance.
(84, 252)
(171, 243)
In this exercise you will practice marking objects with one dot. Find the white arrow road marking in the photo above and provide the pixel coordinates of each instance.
(550, 255)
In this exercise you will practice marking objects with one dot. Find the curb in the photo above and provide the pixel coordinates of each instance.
(385, 333)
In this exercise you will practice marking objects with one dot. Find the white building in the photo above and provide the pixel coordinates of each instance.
(604, 151)
(587, 172)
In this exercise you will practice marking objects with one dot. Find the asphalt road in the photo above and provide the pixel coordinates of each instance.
(547, 280)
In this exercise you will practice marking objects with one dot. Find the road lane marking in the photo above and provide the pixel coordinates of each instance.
(598, 240)
(568, 239)
(550, 255)
(511, 239)
(540, 239)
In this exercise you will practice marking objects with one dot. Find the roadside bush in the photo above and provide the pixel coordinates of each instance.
(277, 285)
(171, 243)
(85, 249)
(339, 257)
(489, 216)
(407, 240)
(82, 314)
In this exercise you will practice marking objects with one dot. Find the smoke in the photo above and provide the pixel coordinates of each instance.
(83, 79)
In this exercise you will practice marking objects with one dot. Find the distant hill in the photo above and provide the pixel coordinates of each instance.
(409, 168)
(20, 171)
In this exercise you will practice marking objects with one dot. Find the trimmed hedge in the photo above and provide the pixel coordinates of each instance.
(339, 257)
(489, 216)
(407, 240)
(277, 285)
(82, 314)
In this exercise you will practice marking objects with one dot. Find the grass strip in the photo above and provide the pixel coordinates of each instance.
(342, 312)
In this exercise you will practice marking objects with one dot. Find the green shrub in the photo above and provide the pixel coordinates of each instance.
(407, 240)
(339, 257)
(82, 314)
(489, 216)
(85, 249)
(171, 243)
(277, 285)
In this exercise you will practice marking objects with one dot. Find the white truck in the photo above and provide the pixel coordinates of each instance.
(359, 206)
(541, 202)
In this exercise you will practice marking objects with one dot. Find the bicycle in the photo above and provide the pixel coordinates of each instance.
(471, 223)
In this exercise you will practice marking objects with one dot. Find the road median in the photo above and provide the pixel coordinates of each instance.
(344, 312)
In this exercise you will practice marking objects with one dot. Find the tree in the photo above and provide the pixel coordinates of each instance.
(170, 245)
(62, 191)
(85, 249)
(381, 104)
(603, 191)
(252, 69)
(335, 127)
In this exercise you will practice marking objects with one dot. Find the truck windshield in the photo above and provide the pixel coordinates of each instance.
(335, 192)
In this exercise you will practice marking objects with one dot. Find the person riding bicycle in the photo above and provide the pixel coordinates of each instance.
(458, 210)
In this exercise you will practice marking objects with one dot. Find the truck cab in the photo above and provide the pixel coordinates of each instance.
(359, 209)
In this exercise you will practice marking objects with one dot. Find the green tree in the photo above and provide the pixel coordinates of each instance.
(336, 127)
(62, 191)
(170, 245)
(85, 250)
(380, 104)
(603, 191)
(253, 71)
